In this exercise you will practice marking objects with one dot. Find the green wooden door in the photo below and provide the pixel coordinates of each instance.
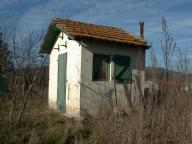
(61, 87)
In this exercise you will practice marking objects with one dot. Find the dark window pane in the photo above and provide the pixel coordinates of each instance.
(101, 67)
(122, 71)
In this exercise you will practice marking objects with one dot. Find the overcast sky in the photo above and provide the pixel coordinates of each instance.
(36, 14)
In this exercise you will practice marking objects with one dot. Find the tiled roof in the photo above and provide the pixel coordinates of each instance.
(108, 33)
(76, 29)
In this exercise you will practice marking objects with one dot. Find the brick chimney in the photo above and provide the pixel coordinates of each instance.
(141, 26)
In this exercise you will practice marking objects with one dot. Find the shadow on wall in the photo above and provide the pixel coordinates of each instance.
(127, 90)
(95, 94)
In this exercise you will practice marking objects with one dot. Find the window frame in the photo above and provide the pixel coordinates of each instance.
(94, 67)
(128, 71)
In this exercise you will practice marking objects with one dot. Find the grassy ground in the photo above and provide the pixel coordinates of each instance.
(41, 125)
(166, 123)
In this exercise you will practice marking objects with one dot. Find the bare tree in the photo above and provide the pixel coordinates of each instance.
(26, 66)
(153, 58)
(168, 46)
(182, 61)
(182, 66)
(154, 63)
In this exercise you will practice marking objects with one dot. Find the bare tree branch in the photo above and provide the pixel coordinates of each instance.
(168, 46)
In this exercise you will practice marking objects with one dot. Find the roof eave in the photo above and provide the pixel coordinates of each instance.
(144, 45)
(49, 39)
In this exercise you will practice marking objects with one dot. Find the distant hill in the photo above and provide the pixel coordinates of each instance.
(159, 73)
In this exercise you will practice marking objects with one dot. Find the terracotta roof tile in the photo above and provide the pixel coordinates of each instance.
(86, 30)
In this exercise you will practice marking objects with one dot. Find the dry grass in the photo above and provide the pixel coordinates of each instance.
(41, 125)
(166, 123)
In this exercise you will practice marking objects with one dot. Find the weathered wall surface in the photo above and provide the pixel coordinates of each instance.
(85, 94)
(73, 51)
(96, 93)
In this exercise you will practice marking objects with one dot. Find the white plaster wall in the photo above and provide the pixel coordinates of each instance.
(96, 93)
(73, 50)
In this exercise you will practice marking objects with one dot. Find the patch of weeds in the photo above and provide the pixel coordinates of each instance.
(80, 134)
(83, 133)
(13, 136)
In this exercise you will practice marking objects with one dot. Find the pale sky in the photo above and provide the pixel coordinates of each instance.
(35, 15)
